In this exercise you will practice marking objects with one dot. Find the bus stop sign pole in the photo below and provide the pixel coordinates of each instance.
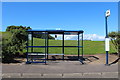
(107, 38)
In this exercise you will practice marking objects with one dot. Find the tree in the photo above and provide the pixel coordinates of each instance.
(115, 38)
(12, 28)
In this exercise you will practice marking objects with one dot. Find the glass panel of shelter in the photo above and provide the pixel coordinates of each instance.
(71, 45)
(36, 46)
(55, 47)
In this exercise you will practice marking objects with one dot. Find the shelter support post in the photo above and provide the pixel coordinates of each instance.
(45, 47)
(82, 45)
(63, 46)
(78, 47)
(27, 47)
(47, 42)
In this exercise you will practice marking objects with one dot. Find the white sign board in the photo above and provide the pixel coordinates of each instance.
(106, 44)
(107, 13)
(29, 36)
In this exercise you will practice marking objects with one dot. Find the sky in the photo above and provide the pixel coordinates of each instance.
(86, 16)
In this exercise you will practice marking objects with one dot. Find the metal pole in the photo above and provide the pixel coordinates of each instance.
(82, 45)
(32, 46)
(27, 47)
(78, 47)
(63, 46)
(106, 27)
(106, 37)
(47, 44)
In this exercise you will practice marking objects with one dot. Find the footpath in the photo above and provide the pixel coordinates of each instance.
(59, 69)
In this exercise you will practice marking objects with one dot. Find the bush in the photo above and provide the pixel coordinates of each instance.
(115, 38)
(13, 41)
(7, 48)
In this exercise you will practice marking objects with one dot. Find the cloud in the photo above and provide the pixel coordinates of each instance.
(67, 37)
(93, 37)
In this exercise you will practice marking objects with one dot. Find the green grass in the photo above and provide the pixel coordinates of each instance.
(90, 47)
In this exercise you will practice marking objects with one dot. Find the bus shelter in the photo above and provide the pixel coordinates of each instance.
(42, 56)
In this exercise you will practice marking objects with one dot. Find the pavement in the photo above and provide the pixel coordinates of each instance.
(59, 69)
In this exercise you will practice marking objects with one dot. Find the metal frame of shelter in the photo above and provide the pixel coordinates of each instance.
(30, 52)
